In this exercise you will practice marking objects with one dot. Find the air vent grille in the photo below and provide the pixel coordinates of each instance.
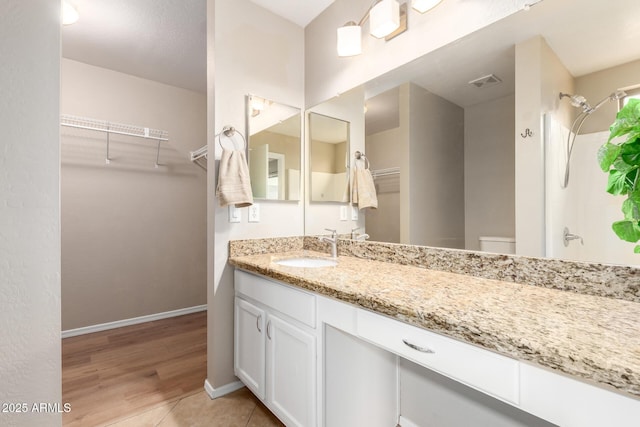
(486, 81)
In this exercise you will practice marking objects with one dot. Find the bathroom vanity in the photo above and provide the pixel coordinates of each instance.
(351, 344)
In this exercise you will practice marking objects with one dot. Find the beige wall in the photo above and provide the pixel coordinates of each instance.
(250, 50)
(489, 170)
(281, 144)
(598, 85)
(540, 76)
(383, 224)
(133, 236)
(436, 169)
(29, 225)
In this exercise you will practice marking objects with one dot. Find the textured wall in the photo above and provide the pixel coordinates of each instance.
(254, 52)
(128, 228)
(29, 210)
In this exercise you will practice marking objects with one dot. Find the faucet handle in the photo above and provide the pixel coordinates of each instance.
(353, 230)
(333, 232)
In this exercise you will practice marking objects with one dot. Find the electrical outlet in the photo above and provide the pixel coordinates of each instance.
(235, 214)
(254, 213)
(354, 213)
(343, 213)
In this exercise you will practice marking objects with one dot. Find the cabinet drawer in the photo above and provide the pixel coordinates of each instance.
(296, 304)
(481, 369)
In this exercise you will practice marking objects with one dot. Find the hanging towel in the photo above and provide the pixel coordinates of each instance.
(363, 190)
(234, 184)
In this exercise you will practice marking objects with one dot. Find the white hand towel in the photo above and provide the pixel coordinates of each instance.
(234, 183)
(363, 189)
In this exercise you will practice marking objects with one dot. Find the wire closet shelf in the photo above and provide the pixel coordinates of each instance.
(116, 128)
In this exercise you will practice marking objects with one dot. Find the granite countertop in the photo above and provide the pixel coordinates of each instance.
(594, 338)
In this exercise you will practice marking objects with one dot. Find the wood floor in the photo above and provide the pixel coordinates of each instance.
(112, 375)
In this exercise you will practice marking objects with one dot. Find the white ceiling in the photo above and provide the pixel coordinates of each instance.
(300, 12)
(161, 40)
(165, 40)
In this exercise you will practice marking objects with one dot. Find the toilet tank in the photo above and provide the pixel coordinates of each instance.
(501, 245)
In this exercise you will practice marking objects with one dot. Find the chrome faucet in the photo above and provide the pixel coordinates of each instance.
(357, 236)
(333, 240)
(567, 237)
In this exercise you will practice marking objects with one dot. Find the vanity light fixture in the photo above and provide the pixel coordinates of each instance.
(350, 39)
(385, 22)
(423, 6)
(385, 18)
(69, 14)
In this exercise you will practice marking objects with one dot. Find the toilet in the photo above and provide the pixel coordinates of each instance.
(501, 245)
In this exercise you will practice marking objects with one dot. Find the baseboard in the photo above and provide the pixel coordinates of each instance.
(404, 422)
(132, 321)
(214, 393)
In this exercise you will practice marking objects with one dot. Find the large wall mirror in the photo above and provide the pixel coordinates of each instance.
(328, 158)
(275, 142)
(441, 132)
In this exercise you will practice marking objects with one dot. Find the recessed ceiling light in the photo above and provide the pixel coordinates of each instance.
(69, 14)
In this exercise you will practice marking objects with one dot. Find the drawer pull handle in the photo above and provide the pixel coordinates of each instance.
(417, 347)
(258, 321)
(268, 329)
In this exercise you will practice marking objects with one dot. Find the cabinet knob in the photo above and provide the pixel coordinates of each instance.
(417, 347)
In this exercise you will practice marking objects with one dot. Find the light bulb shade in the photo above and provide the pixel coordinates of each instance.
(69, 14)
(424, 5)
(384, 18)
(349, 40)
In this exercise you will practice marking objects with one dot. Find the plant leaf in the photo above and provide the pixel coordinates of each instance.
(629, 231)
(627, 120)
(631, 210)
(607, 154)
(630, 152)
(623, 167)
(616, 184)
(637, 249)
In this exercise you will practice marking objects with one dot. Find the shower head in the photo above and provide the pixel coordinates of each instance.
(613, 97)
(578, 101)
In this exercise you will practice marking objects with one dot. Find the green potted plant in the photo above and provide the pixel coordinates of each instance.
(622, 161)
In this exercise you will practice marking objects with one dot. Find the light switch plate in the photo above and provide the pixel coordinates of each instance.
(235, 214)
(254, 213)
(354, 213)
(343, 213)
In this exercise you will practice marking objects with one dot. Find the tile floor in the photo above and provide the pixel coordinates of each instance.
(237, 409)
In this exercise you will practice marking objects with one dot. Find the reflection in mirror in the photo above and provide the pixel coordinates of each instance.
(274, 149)
(329, 145)
(464, 126)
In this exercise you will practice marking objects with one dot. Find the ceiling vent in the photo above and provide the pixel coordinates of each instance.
(486, 81)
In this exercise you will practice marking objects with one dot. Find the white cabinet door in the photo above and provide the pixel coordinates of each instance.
(249, 351)
(291, 373)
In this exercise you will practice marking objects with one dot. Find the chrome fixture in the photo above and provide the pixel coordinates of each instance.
(357, 236)
(580, 101)
(333, 240)
(387, 19)
(567, 237)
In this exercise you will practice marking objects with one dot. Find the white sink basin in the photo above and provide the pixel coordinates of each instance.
(307, 262)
